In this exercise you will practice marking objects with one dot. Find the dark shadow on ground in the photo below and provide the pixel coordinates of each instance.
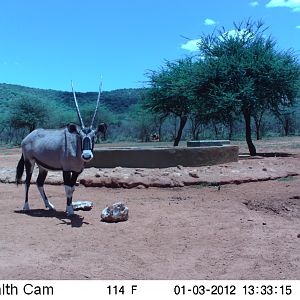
(73, 221)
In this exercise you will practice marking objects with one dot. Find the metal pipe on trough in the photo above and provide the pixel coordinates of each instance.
(207, 143)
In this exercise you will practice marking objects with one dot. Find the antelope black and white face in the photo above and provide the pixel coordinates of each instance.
(87, 139)
(87, 134)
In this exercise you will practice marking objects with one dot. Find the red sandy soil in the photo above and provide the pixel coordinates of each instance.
(234, 221)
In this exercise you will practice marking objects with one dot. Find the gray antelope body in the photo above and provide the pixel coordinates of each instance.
(65, 150)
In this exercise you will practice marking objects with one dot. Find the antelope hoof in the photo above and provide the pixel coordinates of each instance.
(69, 210)
(26, 206)
(50, 206)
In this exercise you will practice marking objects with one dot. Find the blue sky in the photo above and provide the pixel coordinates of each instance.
(48, 43)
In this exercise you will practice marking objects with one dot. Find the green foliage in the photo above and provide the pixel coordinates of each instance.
(117, 101)
(28, 112)
(142, 123)
(170, 91)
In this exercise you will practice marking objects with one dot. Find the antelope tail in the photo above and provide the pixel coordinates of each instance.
(20, 170)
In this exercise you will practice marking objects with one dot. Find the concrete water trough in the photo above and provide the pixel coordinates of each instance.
(162, 157)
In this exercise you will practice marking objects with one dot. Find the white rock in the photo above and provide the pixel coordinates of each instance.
(82, 205)
(115, 213)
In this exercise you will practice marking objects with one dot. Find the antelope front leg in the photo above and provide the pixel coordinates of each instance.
(69, 193)
(69, 182)
(40, 184)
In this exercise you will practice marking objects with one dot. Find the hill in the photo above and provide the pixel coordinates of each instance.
(117, 101)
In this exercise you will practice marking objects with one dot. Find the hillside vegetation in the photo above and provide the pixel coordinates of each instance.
(117, 101)
(22, 109)
(123, 111)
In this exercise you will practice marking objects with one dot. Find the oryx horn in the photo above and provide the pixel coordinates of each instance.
(77, 107)
(98, 100)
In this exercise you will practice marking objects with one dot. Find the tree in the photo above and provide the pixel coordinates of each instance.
(28, 112)
(196, 122)
(248, 74)
(286, 118)
(170, 92)
(141, 122)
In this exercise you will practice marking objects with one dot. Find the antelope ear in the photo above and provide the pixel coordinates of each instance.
(102, 128)
(73, 128)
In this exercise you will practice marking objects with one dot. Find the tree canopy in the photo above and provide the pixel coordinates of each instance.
(28, 112)
(249, 74)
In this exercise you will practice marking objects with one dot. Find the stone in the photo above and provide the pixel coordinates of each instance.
(99, 174)
(194, 174)
(177, 174)
(82, 205)
(117, 169)
(115, 213)
(141, 187)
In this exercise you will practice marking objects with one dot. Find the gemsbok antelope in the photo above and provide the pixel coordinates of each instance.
(67, 150)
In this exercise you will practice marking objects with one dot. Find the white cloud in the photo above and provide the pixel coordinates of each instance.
(191, 45)
(209, 22)
(298, 26)
(236, 34)
(253, 3)
(293, 4)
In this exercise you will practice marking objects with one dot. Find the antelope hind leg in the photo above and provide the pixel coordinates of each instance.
(29, 165)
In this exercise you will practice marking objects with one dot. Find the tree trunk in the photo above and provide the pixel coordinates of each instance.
(286, 127)
(195, 134)
(175, 126)
(31, 127)
(257, 129)
(250, 144)
(159, 132)
(182, 123)
(258, 122)
(195, 127)
(216, 130)
(258, 137)
(161, 121)
(230, 129)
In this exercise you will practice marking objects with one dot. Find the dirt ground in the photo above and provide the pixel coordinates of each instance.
(229, 229)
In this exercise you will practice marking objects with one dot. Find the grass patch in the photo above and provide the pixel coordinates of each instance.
(206, 184)
(297, 146)
(286, 179)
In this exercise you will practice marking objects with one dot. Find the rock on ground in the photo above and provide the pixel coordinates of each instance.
(115, 213)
